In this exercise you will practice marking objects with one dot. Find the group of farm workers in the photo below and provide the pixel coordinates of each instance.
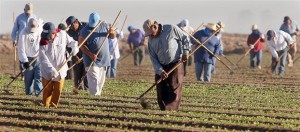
(168, 45)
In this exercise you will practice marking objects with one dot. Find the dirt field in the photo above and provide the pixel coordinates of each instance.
(246, 100)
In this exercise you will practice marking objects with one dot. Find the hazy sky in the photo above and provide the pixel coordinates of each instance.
(238, 15)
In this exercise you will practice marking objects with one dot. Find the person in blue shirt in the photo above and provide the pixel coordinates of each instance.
(168, 45)
(219, 36)
(202, 58)
(97, 73)
(20, 24)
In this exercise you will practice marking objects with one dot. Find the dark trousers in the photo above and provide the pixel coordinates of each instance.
(169, 91)
(79, 72)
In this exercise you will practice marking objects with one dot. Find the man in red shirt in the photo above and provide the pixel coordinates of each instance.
(255, 42)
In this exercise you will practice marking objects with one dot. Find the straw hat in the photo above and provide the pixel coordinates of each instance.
(211, 26)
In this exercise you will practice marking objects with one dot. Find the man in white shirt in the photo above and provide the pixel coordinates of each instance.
(28, 50)
(279, 42)
(52, 48)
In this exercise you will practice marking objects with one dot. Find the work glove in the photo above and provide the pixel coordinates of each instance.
(53, 73)
(15, 43)
(251, 46)
(26, 65)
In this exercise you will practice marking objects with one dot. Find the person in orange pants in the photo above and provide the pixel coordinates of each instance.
(52, 48)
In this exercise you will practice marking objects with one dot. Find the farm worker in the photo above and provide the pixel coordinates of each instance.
(96, 74)
(79, 68)
(202, 58)
(292, 29)
(184, 25)
(168, 45)
(256, 48)
(219, 36)
(279, 42)
(28, 50)
(136, 41)
(114, 54)
(52, 48)
(20, 24)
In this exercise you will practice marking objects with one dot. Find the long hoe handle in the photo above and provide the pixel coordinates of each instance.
(92, 63)
(178, 64)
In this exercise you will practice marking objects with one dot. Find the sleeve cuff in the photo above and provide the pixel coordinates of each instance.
(159, 71)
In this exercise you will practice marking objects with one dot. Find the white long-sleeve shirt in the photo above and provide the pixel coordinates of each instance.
(280, 42)
(52, 55)
(28, 44)
(114, 46)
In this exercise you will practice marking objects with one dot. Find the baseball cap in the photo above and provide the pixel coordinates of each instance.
(286, 18)
(147, 26)
(62, 26)
(254, 27)
(48, 30)
(28, 8)
(94, 19)
(71, 20)
(33, 25)
(130, 28)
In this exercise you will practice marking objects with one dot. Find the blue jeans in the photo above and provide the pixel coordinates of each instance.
(112, 69)
(258, 56)
(213, 67)
(281, 62)
(199, 68)
(33, 78)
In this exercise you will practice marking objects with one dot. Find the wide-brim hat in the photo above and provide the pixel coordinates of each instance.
(211, 26)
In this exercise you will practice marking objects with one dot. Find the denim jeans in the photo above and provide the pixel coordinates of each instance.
(139, 55)
(213, 66)
(112, 69)
(199, 68)
(281, 63)
(33, 78)
(258, 56)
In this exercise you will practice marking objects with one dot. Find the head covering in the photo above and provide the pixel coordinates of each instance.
(211, 26)
(94, 19)
(221, 25)
(184, 23)
(130, 28)
(254, 27)
(286, 18)
(28, 8)
(48, 30)
(147, 26)
(270, 34)
(71, 20)
(62, 26)
(33, 25)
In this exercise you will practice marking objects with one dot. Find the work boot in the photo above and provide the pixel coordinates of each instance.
(259, 67)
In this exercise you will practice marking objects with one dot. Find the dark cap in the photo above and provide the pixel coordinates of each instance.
(71, 20)
(270, 34)
(286, 18)
(62, 26)
(48, 30)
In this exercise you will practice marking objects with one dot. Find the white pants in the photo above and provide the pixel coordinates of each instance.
(96, 79)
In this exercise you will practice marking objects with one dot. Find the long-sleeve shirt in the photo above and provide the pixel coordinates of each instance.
(252, 38)
(75, 35)
(290, 29)
(114, 45)
(20, 24)
(221, 48)
(137, 38)
(279, 42)
(52, 55)
(168, 47)
(213, 44)
(28, 44)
